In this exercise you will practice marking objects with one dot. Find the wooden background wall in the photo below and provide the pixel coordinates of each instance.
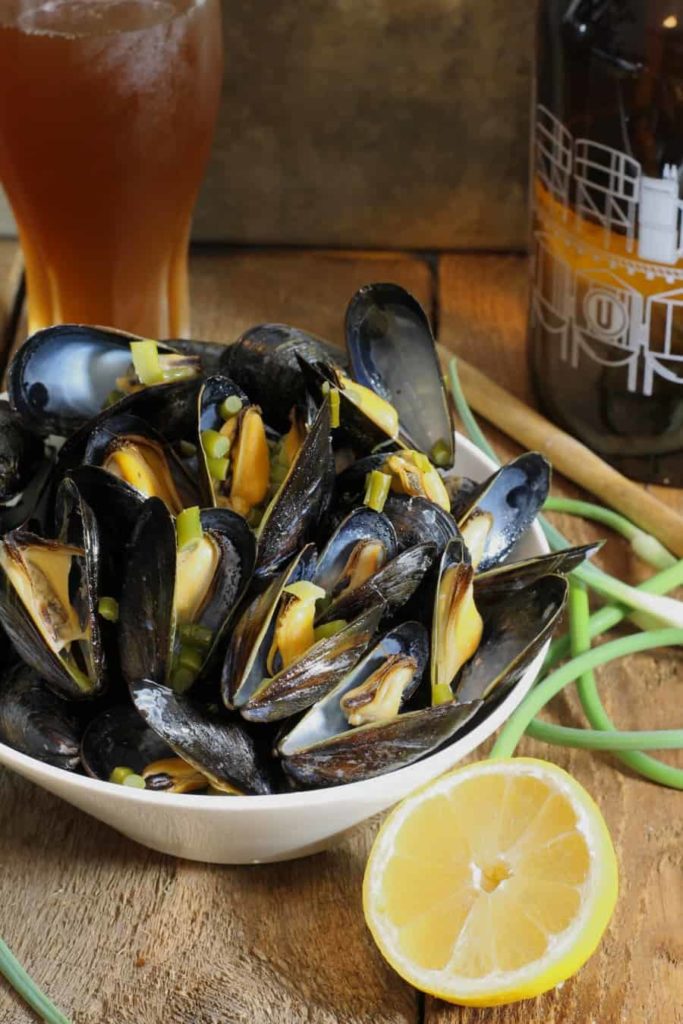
(374, 123)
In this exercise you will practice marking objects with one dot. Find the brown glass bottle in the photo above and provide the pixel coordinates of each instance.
(606, 316)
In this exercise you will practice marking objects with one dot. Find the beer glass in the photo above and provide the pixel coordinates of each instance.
(107, 111)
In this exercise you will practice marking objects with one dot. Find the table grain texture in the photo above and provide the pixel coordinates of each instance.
(118, 934)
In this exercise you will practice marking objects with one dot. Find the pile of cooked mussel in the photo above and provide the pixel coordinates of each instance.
(250, 568)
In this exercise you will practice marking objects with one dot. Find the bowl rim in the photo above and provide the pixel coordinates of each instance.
(309, 798)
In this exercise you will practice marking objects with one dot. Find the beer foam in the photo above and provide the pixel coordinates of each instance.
(78, 19)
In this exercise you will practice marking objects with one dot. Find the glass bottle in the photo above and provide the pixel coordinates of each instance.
(606, 314)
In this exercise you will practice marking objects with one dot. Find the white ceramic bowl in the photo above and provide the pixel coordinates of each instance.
(255, 829)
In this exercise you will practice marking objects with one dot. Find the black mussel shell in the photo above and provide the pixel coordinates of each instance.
(394, 585)
(510, 499)
(147, 616)
(515, 629)
(36, 721)
(323, 750)
(78, 528)
(504, 579)
(61, 376)
(420, 521)
(264, 362)
(392, 351)
(120, 738)
(35, 506)
(219, 747)
(214, 391)
(20, 452)
(244, 664)
(300, 501)
(362, 524)
(117, 509)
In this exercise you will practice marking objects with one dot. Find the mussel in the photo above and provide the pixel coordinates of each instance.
(276, 664)
(178, 594)
(264, 362)
(49, 592)
(217, 746)
(36, 721)
(20, 452)
(130, 450)
(502, 508)
(62, 376)
(366, 726)
(392, 351)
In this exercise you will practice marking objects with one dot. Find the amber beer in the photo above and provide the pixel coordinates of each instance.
(107, 110)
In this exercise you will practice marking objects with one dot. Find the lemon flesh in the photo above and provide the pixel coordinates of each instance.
(493, 883)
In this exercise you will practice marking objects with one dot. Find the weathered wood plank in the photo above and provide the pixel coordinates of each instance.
(120, 935)
(637, 974)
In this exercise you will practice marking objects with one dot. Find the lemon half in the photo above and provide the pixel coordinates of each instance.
(493, 883)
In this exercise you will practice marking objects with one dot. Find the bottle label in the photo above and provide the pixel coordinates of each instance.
(608, 277)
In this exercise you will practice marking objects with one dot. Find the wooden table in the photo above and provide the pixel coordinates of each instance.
(120, 935)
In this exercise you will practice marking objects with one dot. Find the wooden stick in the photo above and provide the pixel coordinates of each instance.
(571, 458)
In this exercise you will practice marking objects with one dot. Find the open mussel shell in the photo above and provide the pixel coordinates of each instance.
(503, 508)
(37, 722)
(324, 750)
(356, 428)
(120, 738)
(300, 501)
(61, 376)
(218, 746)
(151, 594)
(153, 468)
(264, 362)
(246, 682)
(54, 626)
(516, 626)
(504, 579)
(420, 521)
(213, 392)
(392, 350)
(362, 526)
(393, 585)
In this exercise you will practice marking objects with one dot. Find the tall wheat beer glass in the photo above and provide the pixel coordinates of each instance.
(107, 110)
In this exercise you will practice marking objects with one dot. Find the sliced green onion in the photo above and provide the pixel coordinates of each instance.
(214, 444)
(118, 775)
(440, 454)
(108, 608)
(195, 635)
(146, 362)
(218, 468)
(643, 544)
(422, 462)
(134, 781)
(182, 679)
(230, 407)
(189, 527)
(329, 629)
(334, 408)
(377, 489)
(190, 658)
(24, 985)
